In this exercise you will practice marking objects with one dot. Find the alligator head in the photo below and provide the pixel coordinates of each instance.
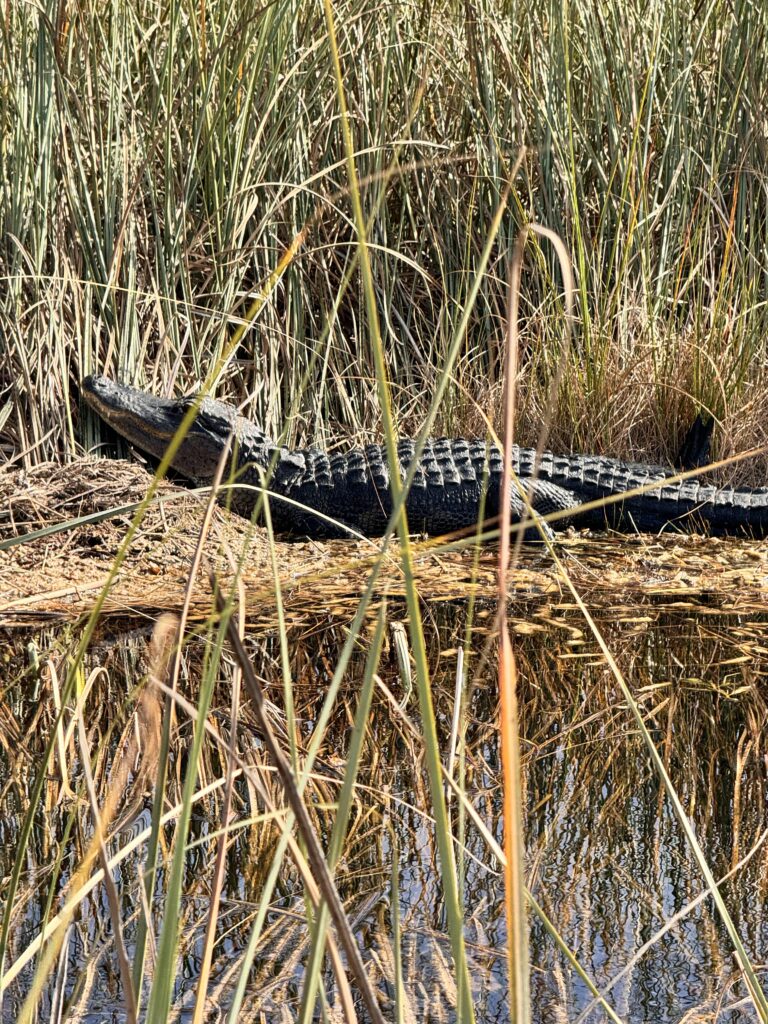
(151, 423)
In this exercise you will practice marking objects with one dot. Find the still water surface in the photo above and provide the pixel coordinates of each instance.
(606, 857)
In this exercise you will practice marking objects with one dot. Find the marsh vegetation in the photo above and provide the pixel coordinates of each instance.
(310, 209)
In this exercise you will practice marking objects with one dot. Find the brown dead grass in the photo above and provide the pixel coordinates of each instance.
(58, 577)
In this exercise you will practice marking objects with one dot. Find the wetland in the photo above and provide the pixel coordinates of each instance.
(605, 859)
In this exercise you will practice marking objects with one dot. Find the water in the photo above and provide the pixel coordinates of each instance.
(606, 857)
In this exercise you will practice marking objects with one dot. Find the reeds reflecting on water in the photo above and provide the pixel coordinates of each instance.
(605, 858)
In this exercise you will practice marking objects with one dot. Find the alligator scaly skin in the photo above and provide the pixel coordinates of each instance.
(316, 494)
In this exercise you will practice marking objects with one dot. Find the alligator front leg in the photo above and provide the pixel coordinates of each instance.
(545, 499)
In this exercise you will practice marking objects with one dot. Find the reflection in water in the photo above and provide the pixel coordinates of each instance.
(606, 859)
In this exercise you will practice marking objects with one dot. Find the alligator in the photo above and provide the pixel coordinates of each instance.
(316, 494)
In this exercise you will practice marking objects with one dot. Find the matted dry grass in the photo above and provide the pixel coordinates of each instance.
(58, 576)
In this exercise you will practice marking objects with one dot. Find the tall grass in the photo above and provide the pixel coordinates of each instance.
(154, 171)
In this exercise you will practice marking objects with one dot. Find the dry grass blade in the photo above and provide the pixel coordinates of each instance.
(168, 635)
(304, 824)
(102, 820)
(514, 846)
(343, 810)
(514, 860)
